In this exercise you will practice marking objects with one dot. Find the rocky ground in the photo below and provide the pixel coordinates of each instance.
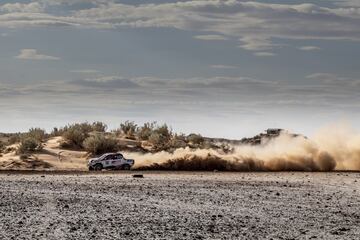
(180, 206)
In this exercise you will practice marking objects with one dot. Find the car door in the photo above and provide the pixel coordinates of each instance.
(108, 161)
(118, 160)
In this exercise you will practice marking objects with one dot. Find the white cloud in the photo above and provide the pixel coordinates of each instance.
(85, 71)
(331, 78)
(309, 48)
(72, 2)
(256, 43)
(107, 82)
(223, 66)
(255, 24)
(323, 76)
(264, 54)
(32, 54)
(210, 37)
(348, 3)
(32, 7)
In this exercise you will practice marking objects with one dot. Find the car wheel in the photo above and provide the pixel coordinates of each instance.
(126, 167)
(98, 167)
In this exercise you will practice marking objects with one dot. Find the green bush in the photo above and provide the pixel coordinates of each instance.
(128, 128)
(195, 138)
(55, 132)
(84, 127)
(160, 137)
(36, 133)
(75, 137)
(29, 145)
(156, 139)
(99, 126)
(15, 138)
(165, 131)
(143, 133)
(76, 133)
(98, 144)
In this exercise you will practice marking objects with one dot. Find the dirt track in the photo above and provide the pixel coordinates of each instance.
(180, 206)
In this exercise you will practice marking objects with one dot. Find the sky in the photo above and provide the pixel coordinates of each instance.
(221, 68)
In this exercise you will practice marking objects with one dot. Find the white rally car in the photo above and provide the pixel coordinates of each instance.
(110, 161)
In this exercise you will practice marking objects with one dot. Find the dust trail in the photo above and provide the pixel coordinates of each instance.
(336, 147)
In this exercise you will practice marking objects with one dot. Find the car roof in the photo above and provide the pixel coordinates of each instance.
(107, 154)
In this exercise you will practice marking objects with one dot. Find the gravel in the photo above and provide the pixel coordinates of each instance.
(180, 205)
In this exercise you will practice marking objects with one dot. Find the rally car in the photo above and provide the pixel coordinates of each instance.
(110, 161)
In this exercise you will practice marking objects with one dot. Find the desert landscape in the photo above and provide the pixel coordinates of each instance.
(156, 147)
(179, 119)
(275, 185)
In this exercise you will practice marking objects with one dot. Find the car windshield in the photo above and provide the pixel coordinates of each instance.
(106, 157)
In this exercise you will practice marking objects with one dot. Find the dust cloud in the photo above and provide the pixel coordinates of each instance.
(336, 147)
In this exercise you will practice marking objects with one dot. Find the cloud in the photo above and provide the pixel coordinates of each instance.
(220, 82)
(257, 25)
(233, 94)
(32, 7)
(73, 2)
(107, 82)
(348, 3)
(264, 54)
(309, 48)
(223, 66)
(323, 76)
(85, 71)
(168, 85)
(32, 54)
(210, 37)
(256, 43)
(331, 78)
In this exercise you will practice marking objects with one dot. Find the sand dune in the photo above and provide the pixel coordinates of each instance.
(52, 157)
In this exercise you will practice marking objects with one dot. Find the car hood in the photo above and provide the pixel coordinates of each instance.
(93, 159)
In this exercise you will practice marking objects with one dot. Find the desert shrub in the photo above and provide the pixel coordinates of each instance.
(84, 127)
(24, 156)
(156, 139)
(75, 137)
(75, 134)
(160, 137)
(55, 132)
(180, 137)
(195, 138)
(36, 133)
(178, 141)
(15, 138)
(9, 149)
(193, 163)
(99, 126)
(98, 144)
(165, 131)
(28, 145)
(143, 133)
(128, 128)
(2, 146)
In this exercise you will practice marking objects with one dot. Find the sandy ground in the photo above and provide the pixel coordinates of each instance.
(180, 206)
(51, 157)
